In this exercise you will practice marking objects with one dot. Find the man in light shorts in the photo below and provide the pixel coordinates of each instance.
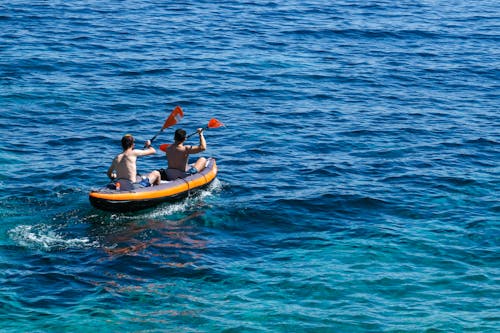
(123, 169)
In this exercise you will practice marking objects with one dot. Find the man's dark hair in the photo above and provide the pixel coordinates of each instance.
(127, 141)
(180, 135)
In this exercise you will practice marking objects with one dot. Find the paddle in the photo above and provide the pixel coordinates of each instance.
(175, 116)
(212, 123)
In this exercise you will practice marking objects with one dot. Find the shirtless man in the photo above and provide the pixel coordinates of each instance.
(124, 168)
(178, 154)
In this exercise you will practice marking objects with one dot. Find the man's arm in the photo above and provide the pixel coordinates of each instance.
(148, 151)
(201, 147)
(112, 168)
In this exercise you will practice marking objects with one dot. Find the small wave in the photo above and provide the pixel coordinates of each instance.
(322, 171)
(455, 181)
(43, 238)
(189, 202)
(164, 210)
(335, 203)
(363, 33)
(483, 141)
(153, 71)
(169, 209)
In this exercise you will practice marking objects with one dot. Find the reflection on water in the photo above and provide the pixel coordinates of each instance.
(135, 237)
(137, 257)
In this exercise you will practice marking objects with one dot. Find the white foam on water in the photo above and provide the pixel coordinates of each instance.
(187, 203)
(169, 209)
(214, 187)
(173, 208)
(43, 237)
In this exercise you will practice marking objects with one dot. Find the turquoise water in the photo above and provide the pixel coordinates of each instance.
(358, 170)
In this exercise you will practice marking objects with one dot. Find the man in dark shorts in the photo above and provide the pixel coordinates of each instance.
(178, 154)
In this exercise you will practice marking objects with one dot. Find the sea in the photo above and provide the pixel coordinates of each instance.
(358, 185)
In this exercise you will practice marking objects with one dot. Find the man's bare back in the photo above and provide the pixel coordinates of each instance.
(125, 165)
(178, 154)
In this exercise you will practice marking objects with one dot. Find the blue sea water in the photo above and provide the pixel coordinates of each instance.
(358, 170)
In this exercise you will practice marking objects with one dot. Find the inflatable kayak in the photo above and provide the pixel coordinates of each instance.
(110, 199)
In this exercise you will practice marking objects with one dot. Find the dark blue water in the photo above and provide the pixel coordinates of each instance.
(358, 170)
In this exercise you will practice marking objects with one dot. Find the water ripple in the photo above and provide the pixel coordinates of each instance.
(358, 175)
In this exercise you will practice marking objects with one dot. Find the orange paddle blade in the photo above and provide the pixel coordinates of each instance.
(176, 116)
(164, 146)
(214, 123)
